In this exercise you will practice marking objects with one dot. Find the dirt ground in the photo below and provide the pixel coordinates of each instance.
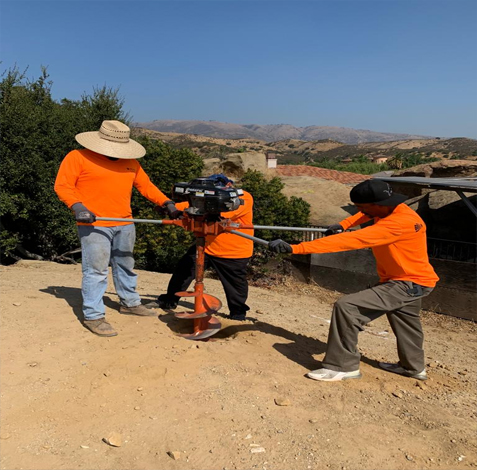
(238, 401)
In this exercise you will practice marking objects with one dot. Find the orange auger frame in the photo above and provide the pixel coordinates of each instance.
(205, 305)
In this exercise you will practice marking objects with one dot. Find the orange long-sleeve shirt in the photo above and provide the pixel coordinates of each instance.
(102, 185)
(228, 245)
(398, 242)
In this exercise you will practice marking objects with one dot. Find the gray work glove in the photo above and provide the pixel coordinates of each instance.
(333, 230)
(172, 211)
(83, 214)
(234, 204)
(279, 246)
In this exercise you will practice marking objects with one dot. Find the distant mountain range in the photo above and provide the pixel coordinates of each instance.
(274, 132)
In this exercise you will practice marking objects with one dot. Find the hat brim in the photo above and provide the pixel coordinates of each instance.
(394, 200)
(93, 141)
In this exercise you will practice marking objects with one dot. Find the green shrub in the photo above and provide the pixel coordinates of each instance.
(361, 167)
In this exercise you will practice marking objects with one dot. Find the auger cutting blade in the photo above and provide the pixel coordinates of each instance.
(210, 305)
(203, 331)
(187, 294)
(213, 304)
(190, 315)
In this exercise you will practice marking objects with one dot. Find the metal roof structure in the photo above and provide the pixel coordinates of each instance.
(459, 185)
(469, 185)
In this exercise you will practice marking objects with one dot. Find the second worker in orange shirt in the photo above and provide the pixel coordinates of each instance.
(228, 254)
(398, 241)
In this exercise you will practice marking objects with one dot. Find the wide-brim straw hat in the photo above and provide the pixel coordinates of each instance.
(112, 140)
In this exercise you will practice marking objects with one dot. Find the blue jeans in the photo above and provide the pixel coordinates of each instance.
(100, 247)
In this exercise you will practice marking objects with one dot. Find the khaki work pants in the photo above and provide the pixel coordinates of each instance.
(400, 301)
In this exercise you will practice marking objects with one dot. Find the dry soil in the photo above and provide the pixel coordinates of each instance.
(238, 401)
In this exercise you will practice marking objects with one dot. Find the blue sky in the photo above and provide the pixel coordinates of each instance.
(405, 66)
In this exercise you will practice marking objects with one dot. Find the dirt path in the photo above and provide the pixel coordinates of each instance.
(212, 405)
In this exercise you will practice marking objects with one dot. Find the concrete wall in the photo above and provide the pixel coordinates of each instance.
(351, 271)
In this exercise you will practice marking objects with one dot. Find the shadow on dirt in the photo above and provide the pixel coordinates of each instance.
(73, 297)
(300, 349)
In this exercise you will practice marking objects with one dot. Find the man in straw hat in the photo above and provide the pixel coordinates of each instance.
(398, 241)
(97, 181)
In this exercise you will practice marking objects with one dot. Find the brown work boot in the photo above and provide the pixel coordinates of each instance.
(139, 310)
(100, 327)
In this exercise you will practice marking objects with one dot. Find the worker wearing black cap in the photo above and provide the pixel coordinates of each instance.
(398, 241)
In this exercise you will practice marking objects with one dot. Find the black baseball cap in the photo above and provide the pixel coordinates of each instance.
(376, 192)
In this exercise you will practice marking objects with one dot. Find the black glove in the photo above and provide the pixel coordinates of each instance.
(279, 246)
(172, 211)
(83, 214)
(333, 230)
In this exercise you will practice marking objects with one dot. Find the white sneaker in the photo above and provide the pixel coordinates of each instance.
(397, 369)
(328, 375)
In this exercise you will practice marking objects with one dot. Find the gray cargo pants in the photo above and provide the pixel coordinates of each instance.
(400, 301)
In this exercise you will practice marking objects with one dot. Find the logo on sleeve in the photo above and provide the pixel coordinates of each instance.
(417, 227)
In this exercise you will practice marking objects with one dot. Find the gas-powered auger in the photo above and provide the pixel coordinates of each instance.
(207, 200)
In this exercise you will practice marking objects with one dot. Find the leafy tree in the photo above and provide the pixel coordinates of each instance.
(408, 160)
(32, 145)
(396, 162)
(101, 105)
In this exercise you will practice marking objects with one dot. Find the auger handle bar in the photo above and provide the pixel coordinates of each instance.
(227, 229)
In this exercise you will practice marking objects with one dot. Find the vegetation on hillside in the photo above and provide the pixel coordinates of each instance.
(452, 149)
(363, 166)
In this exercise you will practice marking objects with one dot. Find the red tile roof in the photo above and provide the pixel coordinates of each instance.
(344, 177)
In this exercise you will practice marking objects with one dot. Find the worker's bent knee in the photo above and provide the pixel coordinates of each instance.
(342, 305)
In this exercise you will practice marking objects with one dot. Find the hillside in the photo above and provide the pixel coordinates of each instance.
(299, 151)
(239, 401)
(271, 133)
